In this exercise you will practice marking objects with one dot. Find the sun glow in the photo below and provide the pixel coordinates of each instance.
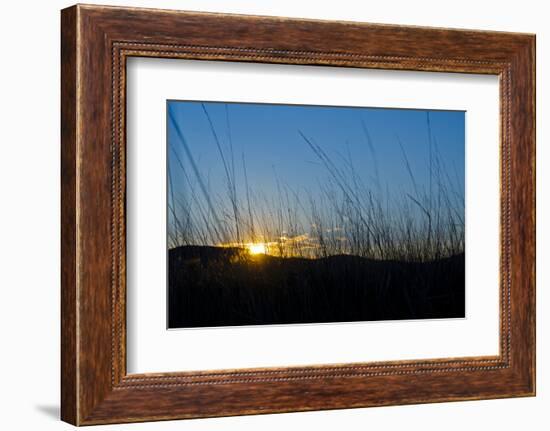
(257, 248)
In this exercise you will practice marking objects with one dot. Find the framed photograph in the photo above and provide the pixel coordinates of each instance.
(264, 215)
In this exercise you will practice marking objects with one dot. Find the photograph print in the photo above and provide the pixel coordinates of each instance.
(297, 214)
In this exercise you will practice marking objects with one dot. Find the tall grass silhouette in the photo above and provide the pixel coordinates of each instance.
(351, 216)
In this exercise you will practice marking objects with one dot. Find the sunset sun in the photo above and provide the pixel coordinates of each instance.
(258, 248)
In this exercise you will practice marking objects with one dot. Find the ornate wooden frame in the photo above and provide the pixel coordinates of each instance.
(95, 43)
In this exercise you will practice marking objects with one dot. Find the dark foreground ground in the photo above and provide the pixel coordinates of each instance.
(211, 286)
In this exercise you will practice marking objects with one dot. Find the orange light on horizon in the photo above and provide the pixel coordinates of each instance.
(257, 248)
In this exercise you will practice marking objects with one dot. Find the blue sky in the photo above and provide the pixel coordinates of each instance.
(269, 138)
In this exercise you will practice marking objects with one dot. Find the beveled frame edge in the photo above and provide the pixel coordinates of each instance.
(96, 41)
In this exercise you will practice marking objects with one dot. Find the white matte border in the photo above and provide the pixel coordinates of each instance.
(153, 348)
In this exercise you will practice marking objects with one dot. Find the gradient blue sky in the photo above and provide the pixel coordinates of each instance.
(268, 136)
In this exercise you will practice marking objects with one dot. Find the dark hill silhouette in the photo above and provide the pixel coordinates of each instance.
(218, 286)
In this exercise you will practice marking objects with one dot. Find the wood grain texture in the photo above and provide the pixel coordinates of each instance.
(69, 366)
(96, 41)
